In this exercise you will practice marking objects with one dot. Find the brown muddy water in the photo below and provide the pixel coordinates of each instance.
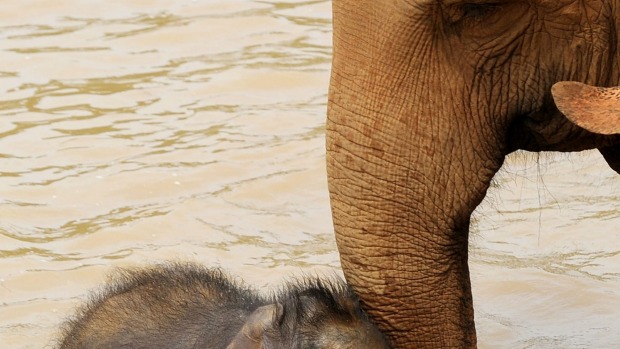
(136, 131)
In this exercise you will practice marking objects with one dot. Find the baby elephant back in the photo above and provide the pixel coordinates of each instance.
(184, 305)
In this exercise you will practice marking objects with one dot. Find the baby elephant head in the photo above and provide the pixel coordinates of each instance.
(313, 314)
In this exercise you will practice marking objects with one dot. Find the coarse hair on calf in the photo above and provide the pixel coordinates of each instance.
(185, 305)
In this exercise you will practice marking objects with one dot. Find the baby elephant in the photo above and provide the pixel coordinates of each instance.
(188, 306)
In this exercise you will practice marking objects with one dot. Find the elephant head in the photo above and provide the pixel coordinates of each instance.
(426, 99)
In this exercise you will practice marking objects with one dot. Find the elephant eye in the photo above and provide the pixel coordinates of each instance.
(477, 11)
(471, 12)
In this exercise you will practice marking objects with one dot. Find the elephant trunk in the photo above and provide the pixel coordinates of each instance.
(426, 98)
(403, 246)
(392, 140)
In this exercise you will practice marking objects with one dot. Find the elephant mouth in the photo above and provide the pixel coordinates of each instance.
(549, 130)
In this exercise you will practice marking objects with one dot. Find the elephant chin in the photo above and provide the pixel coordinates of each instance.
(550, 130)
(580, 117)
(612, 156)
(555, 132)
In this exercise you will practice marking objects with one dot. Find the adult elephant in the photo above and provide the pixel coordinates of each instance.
(426, 99)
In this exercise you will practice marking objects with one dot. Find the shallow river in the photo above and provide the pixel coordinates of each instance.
(140, 131)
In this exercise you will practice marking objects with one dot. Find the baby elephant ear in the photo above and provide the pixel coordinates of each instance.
(252, 333)
(596, 109)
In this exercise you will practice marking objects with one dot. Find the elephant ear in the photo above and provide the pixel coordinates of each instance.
(252, 334)
(596, 109)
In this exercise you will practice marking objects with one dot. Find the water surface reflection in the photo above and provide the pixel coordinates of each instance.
(141, 131)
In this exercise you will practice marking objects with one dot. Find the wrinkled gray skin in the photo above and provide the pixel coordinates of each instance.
(186, 306)
(426, 99)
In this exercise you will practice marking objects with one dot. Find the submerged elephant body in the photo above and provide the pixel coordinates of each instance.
(187, 306)
(426, 99)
